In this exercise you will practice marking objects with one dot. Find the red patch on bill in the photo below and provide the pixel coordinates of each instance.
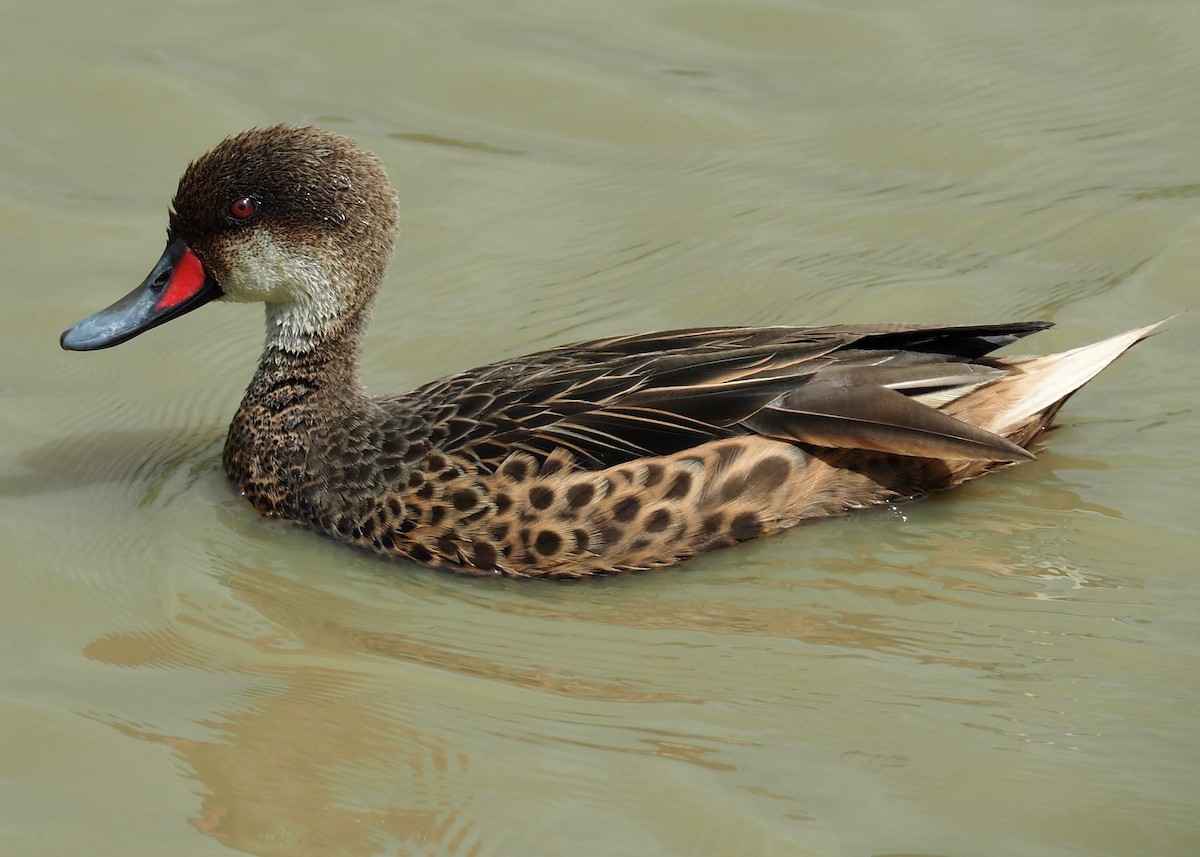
(186, 281)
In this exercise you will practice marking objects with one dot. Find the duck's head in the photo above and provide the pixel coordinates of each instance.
(299, 219)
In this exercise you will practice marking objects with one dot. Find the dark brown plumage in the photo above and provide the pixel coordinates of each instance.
(619, 454)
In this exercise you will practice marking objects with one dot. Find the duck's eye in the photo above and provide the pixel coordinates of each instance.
(242, 208)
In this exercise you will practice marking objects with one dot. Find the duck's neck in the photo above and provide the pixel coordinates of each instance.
(296, 397)
(322, 352)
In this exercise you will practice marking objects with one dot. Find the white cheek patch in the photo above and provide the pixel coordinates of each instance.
(302, 298)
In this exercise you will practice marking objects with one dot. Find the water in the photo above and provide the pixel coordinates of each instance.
(1010, 669)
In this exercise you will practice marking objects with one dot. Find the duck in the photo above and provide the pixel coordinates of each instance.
(621, 454)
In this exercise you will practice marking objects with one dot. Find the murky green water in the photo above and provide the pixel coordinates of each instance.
(1011, 669)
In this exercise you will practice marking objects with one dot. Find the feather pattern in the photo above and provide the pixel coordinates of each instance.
(612, 400)
(635, 452)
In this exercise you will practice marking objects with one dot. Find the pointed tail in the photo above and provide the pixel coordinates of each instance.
(1033, 394)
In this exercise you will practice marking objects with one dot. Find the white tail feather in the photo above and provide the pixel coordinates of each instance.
(1048, 380)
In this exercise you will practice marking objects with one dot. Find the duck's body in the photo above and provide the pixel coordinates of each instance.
(613, 455)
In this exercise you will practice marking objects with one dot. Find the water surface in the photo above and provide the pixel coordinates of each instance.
(1010, 669)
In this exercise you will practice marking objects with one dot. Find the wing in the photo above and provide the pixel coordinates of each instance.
(612, 400)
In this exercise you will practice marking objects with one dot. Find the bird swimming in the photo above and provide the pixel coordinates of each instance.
(619, 454)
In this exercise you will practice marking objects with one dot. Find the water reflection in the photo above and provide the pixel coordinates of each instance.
(316, 755)
(314, 769)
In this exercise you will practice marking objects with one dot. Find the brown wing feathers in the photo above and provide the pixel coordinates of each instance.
(610, 401)
(870, 416)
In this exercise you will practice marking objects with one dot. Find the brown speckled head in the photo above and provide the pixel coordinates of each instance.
(300, 219)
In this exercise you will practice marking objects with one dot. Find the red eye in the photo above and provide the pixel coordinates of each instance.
(242, 208)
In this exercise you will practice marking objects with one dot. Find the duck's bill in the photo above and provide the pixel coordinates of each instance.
(177, 285)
